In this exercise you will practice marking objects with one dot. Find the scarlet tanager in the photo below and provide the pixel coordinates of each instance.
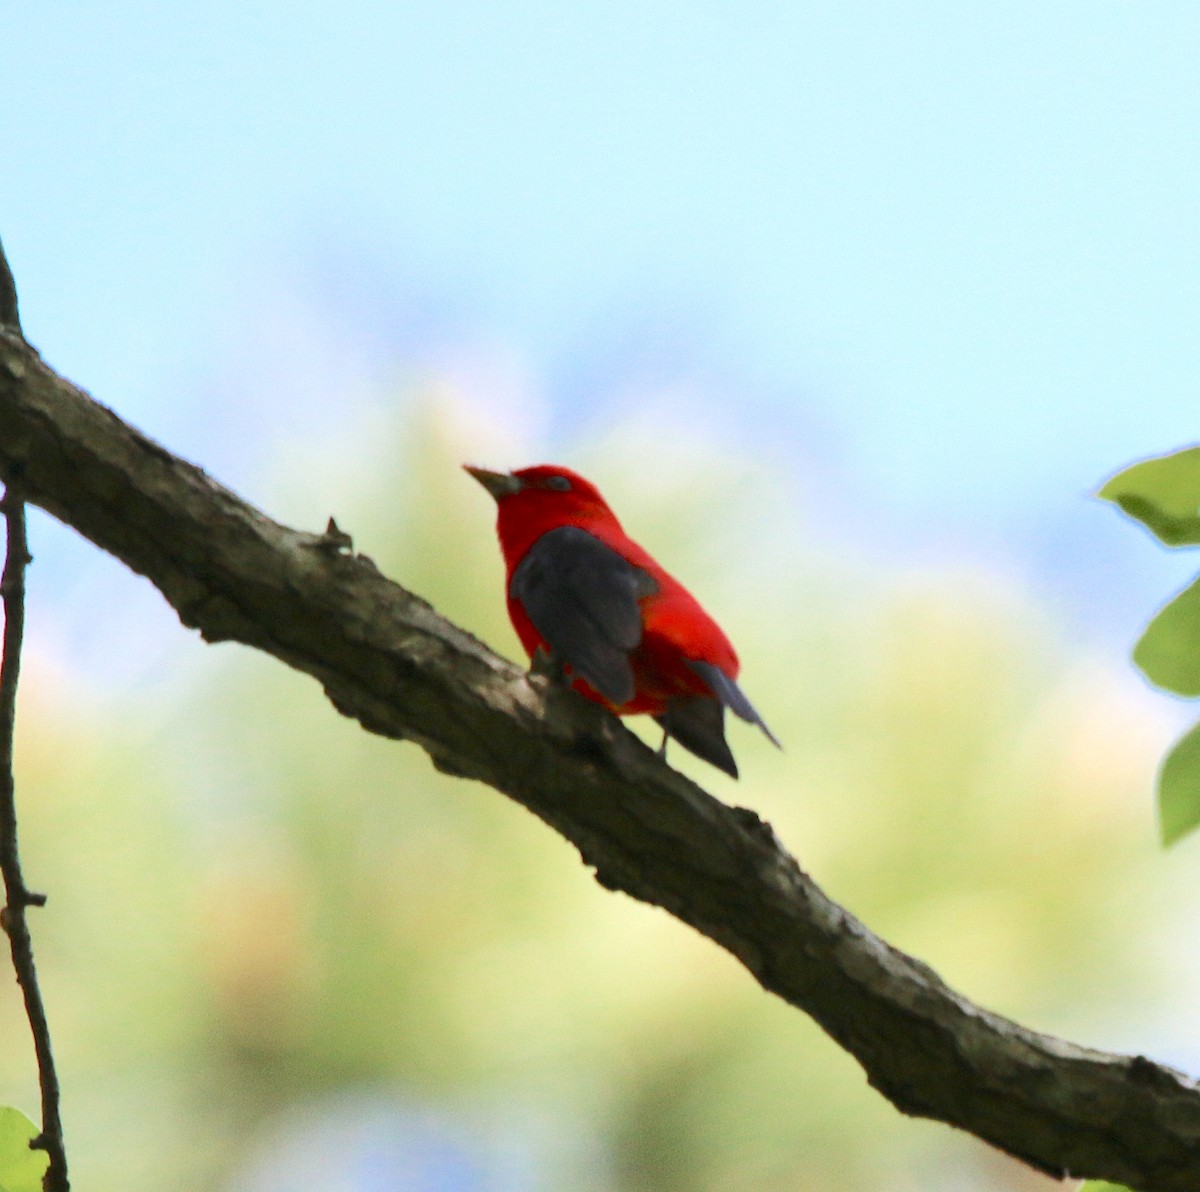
(624, 633)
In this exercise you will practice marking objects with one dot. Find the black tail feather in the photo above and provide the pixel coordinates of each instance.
(698, 724)
(732, 696)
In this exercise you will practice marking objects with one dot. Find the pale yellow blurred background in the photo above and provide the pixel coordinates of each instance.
(281, 954)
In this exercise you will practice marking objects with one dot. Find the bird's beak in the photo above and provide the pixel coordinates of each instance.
(499, 484)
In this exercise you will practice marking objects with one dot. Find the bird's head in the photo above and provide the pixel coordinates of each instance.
(531, 501)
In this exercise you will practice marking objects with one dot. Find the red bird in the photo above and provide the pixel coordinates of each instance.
(627, 634)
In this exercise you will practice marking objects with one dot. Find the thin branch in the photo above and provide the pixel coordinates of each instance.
(386, 658)
(9, 316)
(18, 896)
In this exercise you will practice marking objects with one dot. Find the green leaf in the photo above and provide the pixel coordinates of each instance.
(1103, 1186)
(1179, 788)
(1169, 650)
(21, 1169)
(1164, 494)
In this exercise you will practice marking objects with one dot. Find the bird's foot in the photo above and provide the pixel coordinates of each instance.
(547, 665)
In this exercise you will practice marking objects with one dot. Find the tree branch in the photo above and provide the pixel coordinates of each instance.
(18, 896)
(387, 659)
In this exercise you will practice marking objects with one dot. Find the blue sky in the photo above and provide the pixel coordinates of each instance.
(954, 249)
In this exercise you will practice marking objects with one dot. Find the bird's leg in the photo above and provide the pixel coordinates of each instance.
(547, 665)
(665, 721)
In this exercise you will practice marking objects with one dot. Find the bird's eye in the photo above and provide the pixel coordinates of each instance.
(560, 484)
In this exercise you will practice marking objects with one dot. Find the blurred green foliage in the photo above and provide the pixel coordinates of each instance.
(257, 908)
(1169, 650)
(1164, 494)
(1179, 787)
(21, 1169)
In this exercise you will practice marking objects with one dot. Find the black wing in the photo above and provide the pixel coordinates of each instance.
(582, 597)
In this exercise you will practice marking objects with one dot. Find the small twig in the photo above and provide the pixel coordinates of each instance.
(18, 896)
(335, 540)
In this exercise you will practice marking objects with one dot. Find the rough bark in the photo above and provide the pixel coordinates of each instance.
(388, 660)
